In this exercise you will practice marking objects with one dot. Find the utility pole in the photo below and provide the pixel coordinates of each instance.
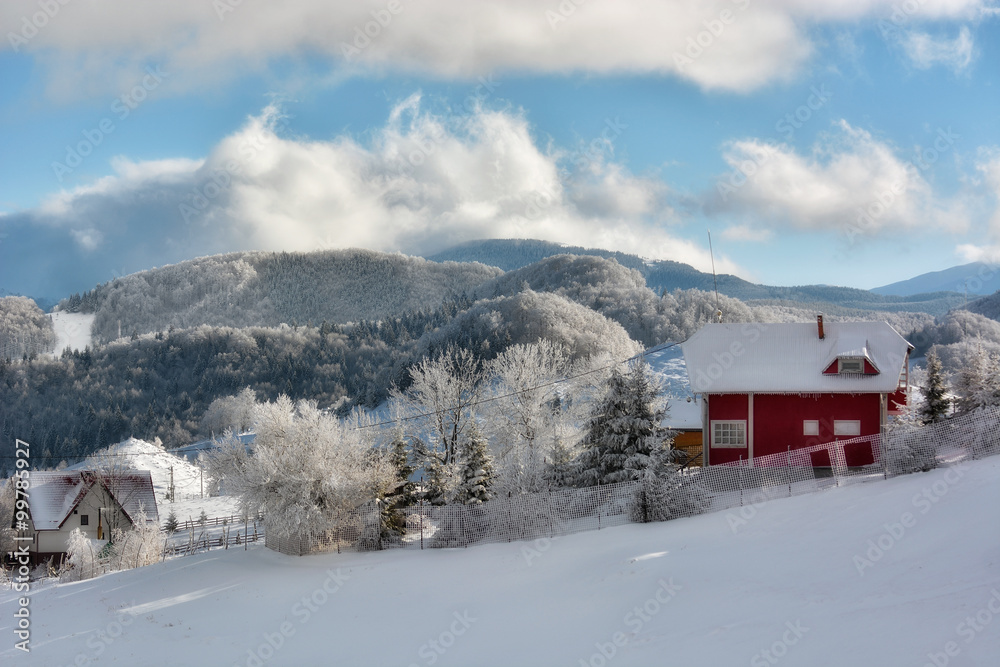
(202, 471)
(171, 484)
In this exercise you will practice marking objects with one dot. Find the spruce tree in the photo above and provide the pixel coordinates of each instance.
(171, 524)
(935, 393)
(476, 470)
(624, 431)
(403, 494)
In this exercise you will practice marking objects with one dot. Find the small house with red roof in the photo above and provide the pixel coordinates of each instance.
(769, 388)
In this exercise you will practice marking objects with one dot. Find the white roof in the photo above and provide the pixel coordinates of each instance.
(791, 358)
(54, 495)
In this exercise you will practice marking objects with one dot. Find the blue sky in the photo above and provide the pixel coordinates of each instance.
(844, 142)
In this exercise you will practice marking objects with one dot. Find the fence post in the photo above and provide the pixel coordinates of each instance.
(550, 513)
(788, 469)
(739, 470)
(421, 515)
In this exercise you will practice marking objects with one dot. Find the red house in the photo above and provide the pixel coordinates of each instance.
(768, 387)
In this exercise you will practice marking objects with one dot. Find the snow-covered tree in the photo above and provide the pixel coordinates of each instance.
(403, 493)
(935, 391)
(137, 547)
(665, 493)
(978, 382)
(476, 463)
(231, 412)
(306, 470)
(625, 430)
(83, 561)
(171, 524)
(439, 404)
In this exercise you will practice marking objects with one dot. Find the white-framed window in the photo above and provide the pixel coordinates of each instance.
(731, 433)
(851, 365)
(847, 427)
(810, 427)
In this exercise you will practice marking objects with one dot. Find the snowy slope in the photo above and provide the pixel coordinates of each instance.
(189, 502)
(72, 330)
(786, 577)
(669, 365)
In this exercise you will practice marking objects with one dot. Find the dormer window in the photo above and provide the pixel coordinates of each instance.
(851, 365)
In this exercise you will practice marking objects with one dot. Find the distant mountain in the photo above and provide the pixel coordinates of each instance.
(977, 277)
(510, 254)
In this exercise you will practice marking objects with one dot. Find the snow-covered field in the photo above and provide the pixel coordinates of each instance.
(72, 330)
(903, 572)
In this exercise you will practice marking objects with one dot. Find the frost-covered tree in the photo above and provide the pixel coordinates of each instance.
(665, 493)
(978, 382)
(439, 404)
(171, 525)
(140, 545)
(83, 560)
(935, 391)
(231, 412)
(476, 464)
(524, 415)
(625, 430)
(306, 469)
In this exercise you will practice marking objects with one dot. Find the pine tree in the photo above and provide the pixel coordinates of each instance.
(403, 493)
(935, 393)
(978, 384)
(203, 519)
(624, 431)
(171, 524)
(476, 469)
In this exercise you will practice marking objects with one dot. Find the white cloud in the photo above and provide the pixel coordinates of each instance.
(988, 247)
(97, 47)
(850, 181)
(423, 182)
(925, 50)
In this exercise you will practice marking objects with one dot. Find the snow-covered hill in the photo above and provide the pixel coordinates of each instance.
(905, 572)
(189, 498)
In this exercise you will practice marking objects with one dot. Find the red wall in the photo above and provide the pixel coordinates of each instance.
(726, 406)
(778, 419)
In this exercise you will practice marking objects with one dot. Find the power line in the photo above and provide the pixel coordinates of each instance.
(644, 353)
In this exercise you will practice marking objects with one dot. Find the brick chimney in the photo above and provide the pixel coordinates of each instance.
(819, 326)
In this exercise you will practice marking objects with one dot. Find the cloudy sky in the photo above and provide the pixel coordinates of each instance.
(852, 142)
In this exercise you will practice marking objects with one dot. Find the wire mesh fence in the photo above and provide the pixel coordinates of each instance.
(712, 489)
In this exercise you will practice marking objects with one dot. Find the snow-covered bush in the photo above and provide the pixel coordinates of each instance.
(910, 449)
(306, 471)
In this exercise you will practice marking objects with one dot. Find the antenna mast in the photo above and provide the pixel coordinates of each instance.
(715, 279)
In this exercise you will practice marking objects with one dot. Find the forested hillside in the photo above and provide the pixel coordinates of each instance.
(267, 289)
(24, 328)
(987, 306)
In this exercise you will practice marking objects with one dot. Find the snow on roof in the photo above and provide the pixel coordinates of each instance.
(54, 495)
(791, 358)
